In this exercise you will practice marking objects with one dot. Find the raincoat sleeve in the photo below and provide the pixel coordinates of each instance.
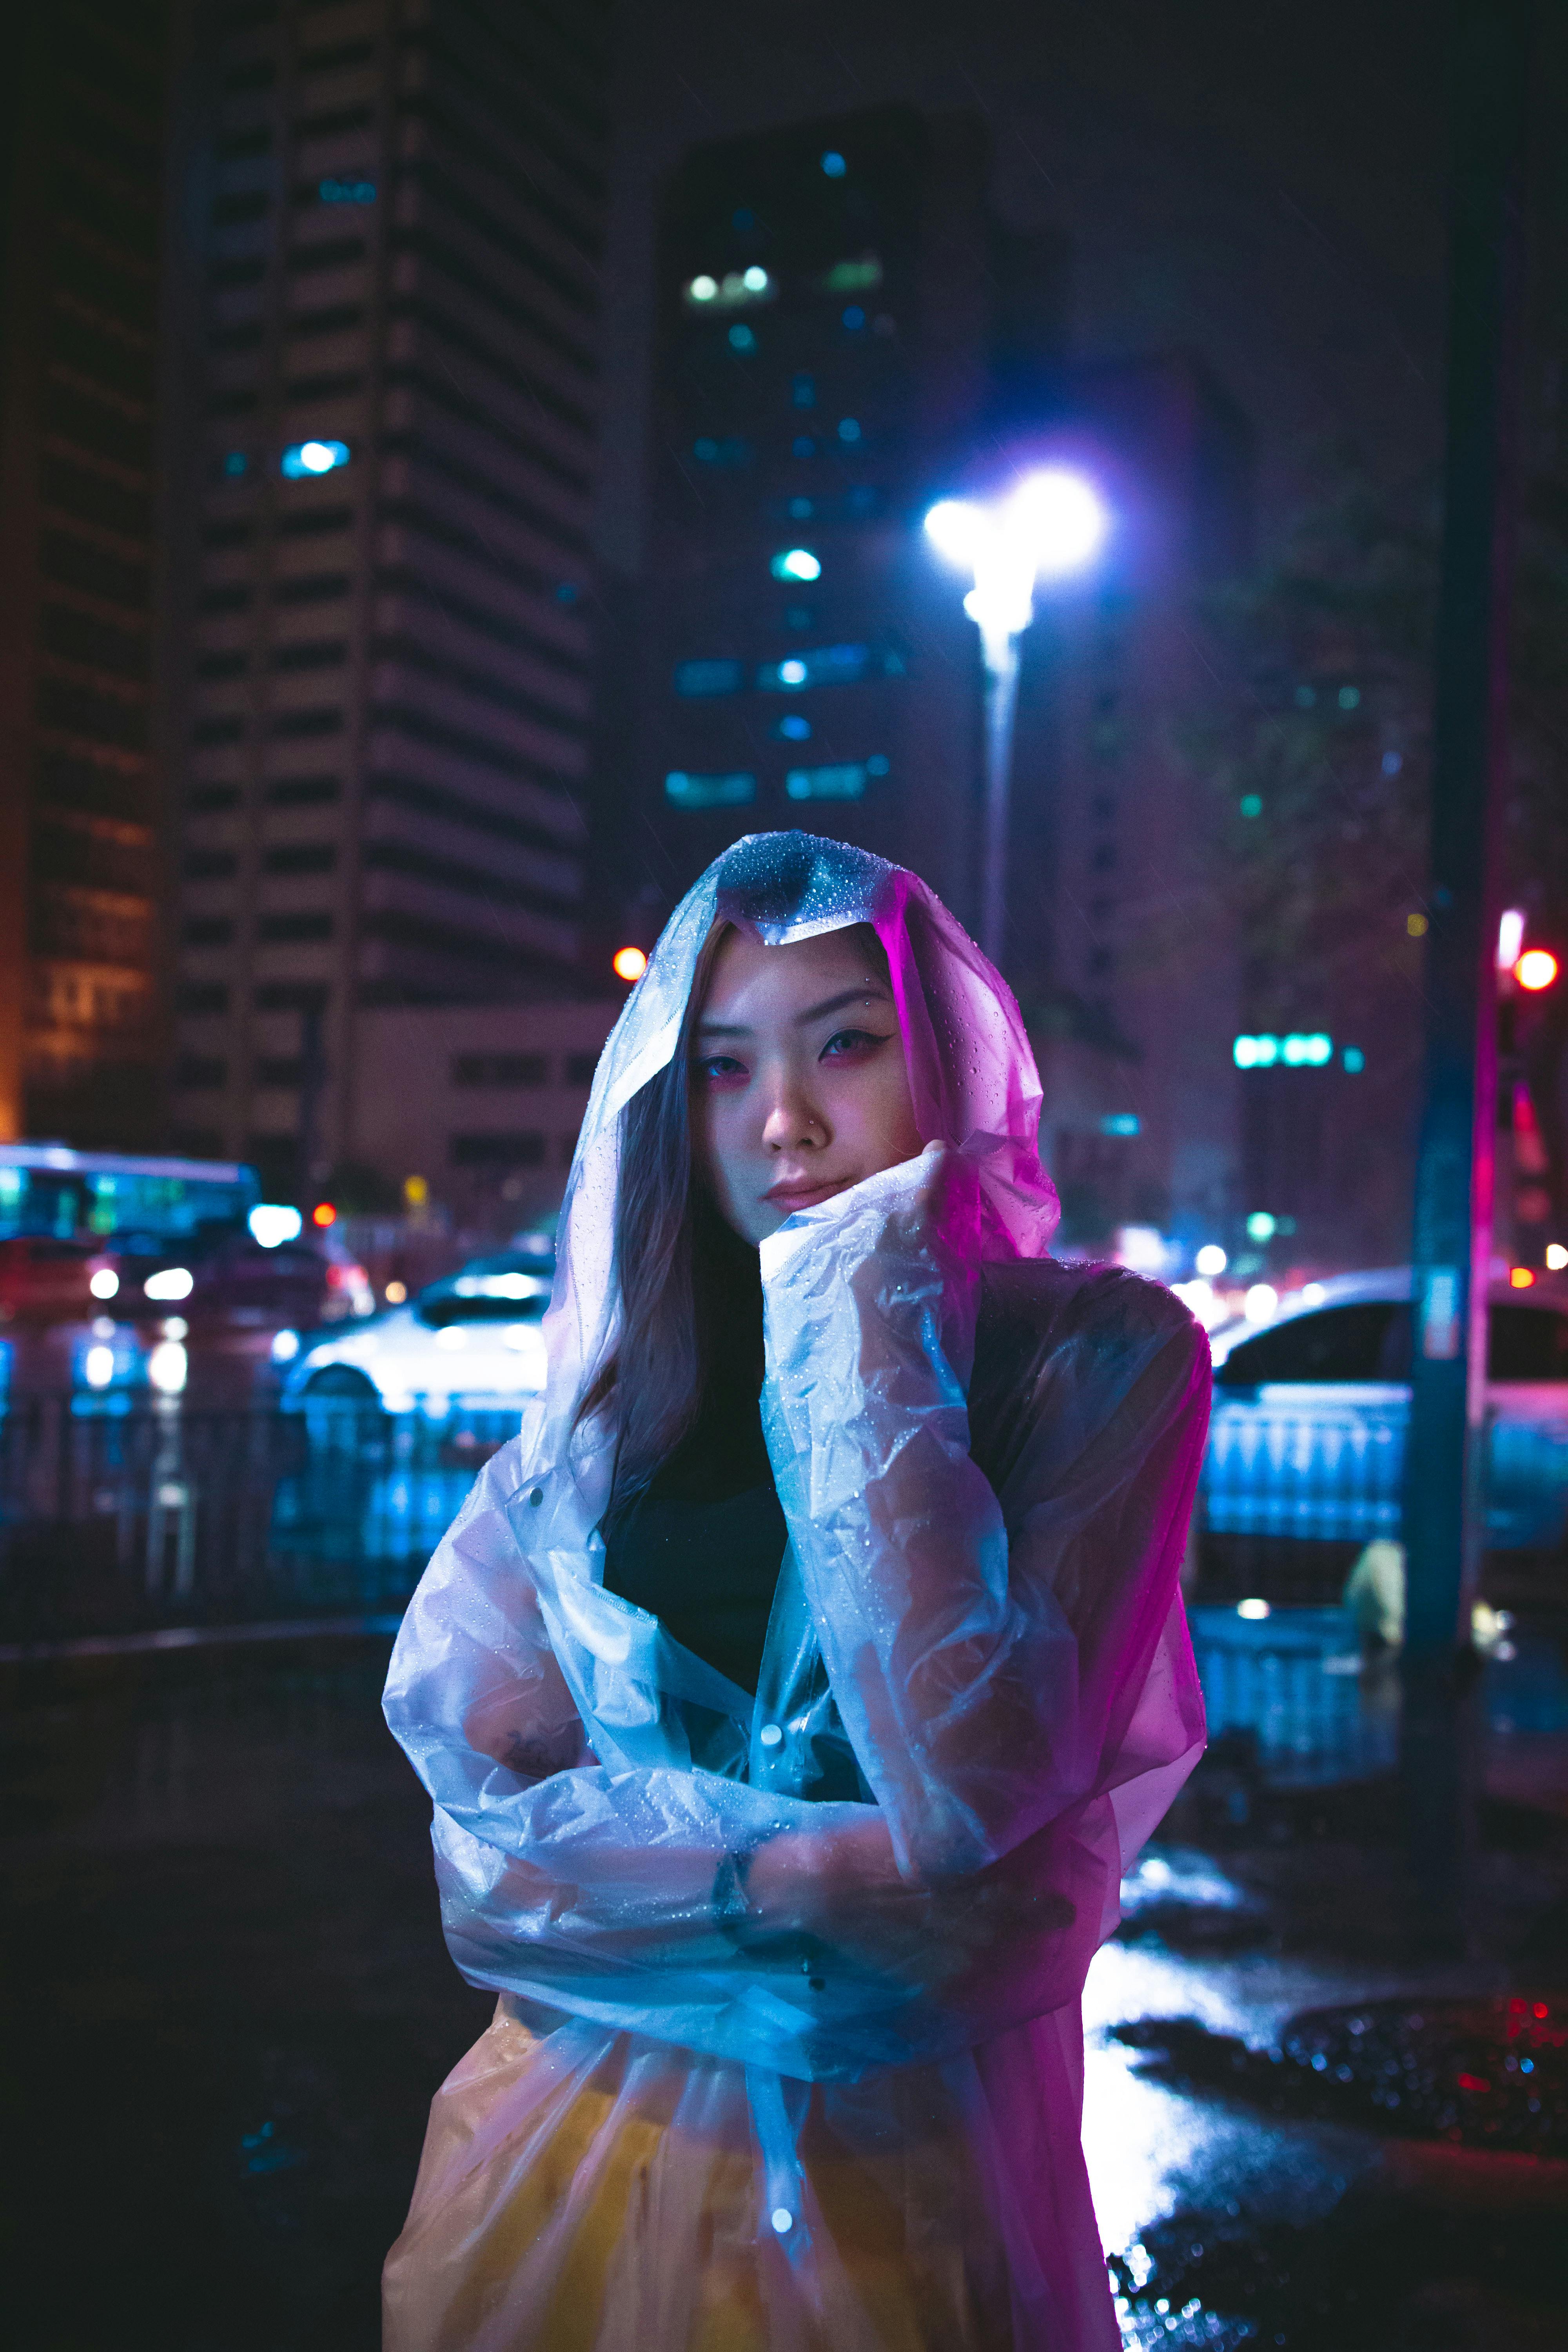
(1001, 1666)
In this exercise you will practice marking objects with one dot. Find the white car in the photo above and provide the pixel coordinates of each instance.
(472, 1341)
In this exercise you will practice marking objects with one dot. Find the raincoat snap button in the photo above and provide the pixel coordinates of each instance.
(537, 1497)
(769, 1735)
(782, 2219)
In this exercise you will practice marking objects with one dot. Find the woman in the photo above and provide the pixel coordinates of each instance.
(786, 1755)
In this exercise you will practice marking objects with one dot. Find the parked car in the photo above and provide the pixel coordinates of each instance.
(1310, 1415)
(472, 1341)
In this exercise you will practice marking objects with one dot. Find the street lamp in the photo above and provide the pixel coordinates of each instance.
(1053, 523)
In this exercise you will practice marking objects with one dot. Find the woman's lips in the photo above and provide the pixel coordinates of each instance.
(787, 1196)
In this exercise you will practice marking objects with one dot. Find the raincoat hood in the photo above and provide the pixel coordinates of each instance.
(972, 1078)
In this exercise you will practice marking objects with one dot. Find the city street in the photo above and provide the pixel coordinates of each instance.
(227, 2002)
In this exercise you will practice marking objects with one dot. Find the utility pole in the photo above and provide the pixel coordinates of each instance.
(1445, 1461)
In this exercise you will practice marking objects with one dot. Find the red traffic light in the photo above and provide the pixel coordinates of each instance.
(1536, 969)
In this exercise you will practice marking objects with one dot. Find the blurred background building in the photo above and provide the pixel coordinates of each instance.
(83, 801)
(842, 328)
(386, 224)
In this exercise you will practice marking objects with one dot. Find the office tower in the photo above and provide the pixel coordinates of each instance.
(844, 330)
(82, 102)
(392, 218)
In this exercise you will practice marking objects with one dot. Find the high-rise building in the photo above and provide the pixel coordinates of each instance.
(844, 327)
(390, 227)
(83, 102)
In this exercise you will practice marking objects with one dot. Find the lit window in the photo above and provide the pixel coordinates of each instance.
(795, 563)
(1354, 1058)
(855, 276)
(794, 729)
(848, 429)
(1250, 804)
(823, 665)
(833, 164)
(709, 791)
(347, 192)
(307, 458)
(737, 290)
(847, 782)
(696, 677)
(1120, 1122)
(742, 340)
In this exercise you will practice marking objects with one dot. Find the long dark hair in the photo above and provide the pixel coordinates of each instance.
(691, 1291)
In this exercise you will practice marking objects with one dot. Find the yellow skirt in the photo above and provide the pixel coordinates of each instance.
(585, 2190)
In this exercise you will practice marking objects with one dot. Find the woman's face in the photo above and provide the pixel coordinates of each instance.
(799, 1082)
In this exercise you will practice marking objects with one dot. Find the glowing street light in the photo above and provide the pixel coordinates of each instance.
(1536, 969)
(628, 964)
(1050, 525)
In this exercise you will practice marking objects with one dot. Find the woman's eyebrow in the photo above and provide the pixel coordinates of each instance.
(836, 1003)
(706, 1028)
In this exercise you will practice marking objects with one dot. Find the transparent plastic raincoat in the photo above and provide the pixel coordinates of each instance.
(688, 2130)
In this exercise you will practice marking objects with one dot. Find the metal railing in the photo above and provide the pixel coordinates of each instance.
(111, 1520)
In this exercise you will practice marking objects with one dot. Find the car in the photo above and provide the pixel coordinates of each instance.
(1307, 1442)
(472, 1341)
(222, 1274)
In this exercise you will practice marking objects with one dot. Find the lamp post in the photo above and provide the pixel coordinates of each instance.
(1052, 523)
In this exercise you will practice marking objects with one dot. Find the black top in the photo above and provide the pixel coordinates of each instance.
(702, 1546)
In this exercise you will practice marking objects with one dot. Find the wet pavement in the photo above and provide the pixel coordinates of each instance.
(227, 2003)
